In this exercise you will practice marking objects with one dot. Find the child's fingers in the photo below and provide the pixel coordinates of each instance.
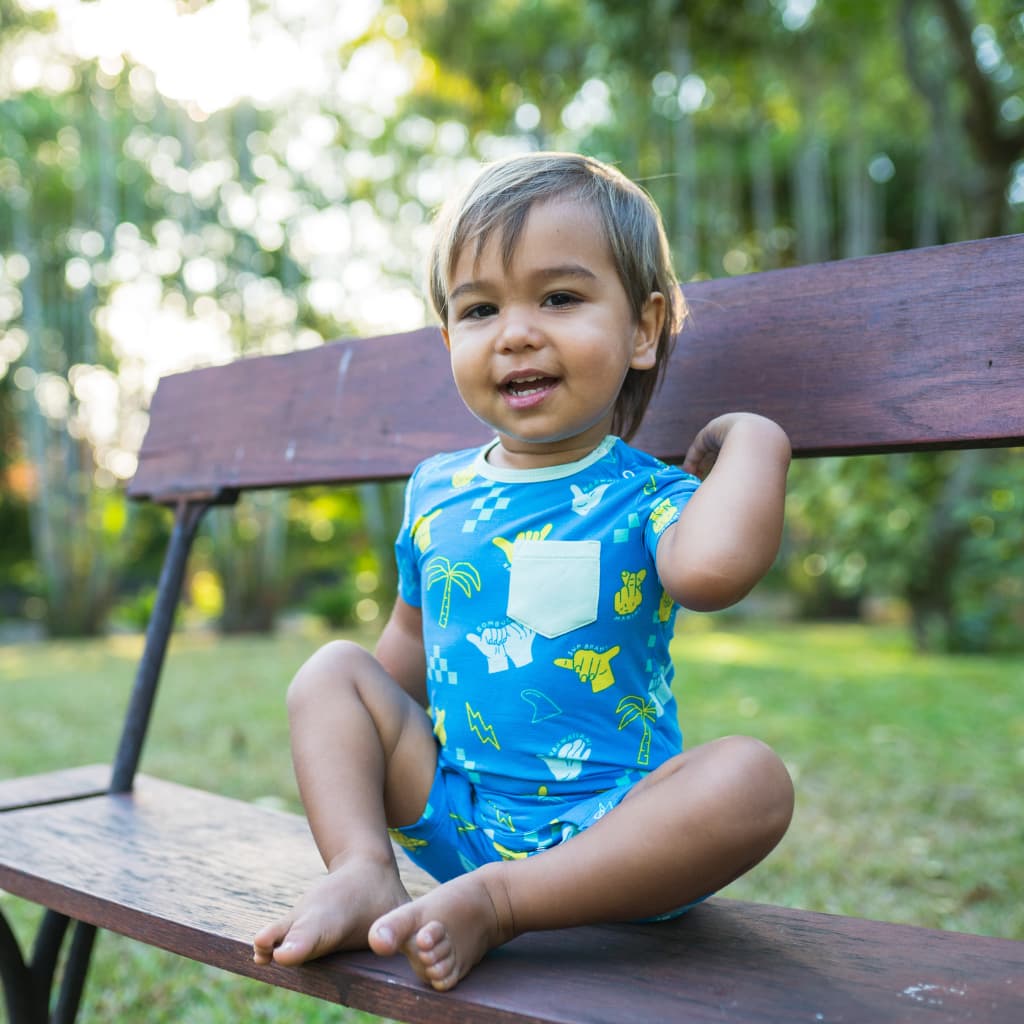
(702, 454)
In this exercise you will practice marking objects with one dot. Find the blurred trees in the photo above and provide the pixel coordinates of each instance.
(142, 234)
(942, 530)
(795, 132)
(153, 219)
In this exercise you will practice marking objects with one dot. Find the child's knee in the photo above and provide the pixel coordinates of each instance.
(764, 775)
(326, 672)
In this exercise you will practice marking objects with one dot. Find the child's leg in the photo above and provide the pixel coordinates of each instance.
(365, 757)
(692, 826)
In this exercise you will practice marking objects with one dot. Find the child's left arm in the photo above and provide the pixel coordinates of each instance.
(728, 535)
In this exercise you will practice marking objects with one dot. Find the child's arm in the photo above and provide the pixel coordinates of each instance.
(400, 650)
(729, 532)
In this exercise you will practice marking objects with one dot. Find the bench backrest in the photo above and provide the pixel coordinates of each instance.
(910, 350)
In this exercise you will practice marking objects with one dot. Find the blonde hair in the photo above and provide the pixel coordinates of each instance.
(500, 198)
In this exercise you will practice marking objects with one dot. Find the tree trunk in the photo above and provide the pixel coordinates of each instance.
(811, 203)
(762, 189)
(931, 590)
(683, 236)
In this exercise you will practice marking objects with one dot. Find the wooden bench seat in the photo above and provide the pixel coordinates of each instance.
(901, 352)
(196, 874)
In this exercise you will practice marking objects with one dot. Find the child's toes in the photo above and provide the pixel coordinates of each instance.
(267, 939)
(436, 955)
(444, 974)
(441, 966)
(432, 937)
(300, 944)
(395, 931)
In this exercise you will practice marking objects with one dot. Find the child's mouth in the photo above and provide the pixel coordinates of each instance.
(522, 392)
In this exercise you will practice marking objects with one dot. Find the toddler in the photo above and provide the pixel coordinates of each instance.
(515, 729)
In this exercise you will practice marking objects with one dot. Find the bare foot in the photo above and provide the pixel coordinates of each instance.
(336, 913)
(446, 932)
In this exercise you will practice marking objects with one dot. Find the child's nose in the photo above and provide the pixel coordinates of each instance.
(518, 330)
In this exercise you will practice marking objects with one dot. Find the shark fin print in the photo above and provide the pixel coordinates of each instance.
(543, 706)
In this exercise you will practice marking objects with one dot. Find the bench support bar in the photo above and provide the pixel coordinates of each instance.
(16, 977)
(28, 985)
(186, 521)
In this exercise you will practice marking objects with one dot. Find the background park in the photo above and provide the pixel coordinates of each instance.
(187, 183)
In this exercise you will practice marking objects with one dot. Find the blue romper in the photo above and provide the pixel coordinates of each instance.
(546, 633)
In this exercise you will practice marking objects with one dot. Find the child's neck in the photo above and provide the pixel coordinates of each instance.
(510, 454)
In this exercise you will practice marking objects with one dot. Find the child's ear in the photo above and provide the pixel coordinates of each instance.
(648, 333)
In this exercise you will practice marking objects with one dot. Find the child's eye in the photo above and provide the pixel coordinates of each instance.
(560, 299)
(480, 311)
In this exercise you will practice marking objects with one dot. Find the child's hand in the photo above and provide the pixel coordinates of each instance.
(728, 534)
(703, 453)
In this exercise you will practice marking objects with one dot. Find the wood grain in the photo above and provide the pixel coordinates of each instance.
(53, 787)
(197, 874)
(907, 350)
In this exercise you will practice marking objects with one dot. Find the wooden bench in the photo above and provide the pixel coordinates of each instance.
(891, 353)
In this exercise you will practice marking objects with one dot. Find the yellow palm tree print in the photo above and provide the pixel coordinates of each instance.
(462, 574)
(639, 709)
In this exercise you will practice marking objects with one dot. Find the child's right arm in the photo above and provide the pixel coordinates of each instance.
(400, 650)
(728, 534)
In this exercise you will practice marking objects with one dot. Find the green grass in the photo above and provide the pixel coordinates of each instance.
(909, 770)
(909, 773)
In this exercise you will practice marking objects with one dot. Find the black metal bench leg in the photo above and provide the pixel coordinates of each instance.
(19, 990)
(75, 968)
(46, 952)
(27, 986)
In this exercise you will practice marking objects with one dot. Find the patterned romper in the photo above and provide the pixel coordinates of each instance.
(547, 636)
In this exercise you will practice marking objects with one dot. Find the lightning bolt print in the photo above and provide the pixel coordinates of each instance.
(483, 732)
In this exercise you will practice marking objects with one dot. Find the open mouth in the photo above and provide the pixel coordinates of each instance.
(528, 387)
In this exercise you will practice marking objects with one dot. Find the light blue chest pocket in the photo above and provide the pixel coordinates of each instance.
(554, 584)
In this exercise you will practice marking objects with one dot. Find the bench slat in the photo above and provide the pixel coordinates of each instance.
(907, 350)
(366, 409)
(197, 874)
(53, 787)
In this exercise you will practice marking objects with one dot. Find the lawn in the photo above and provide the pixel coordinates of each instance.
(909, 774)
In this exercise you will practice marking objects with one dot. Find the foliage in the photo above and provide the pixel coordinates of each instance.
(794, 132)
(152, 219)
(942, 529)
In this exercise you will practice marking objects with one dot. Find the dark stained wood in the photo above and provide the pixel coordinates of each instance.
(197, 874)
(353, 410)
(70, 784)
(907, 350)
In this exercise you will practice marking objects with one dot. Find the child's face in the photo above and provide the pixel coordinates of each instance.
(539, 350)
